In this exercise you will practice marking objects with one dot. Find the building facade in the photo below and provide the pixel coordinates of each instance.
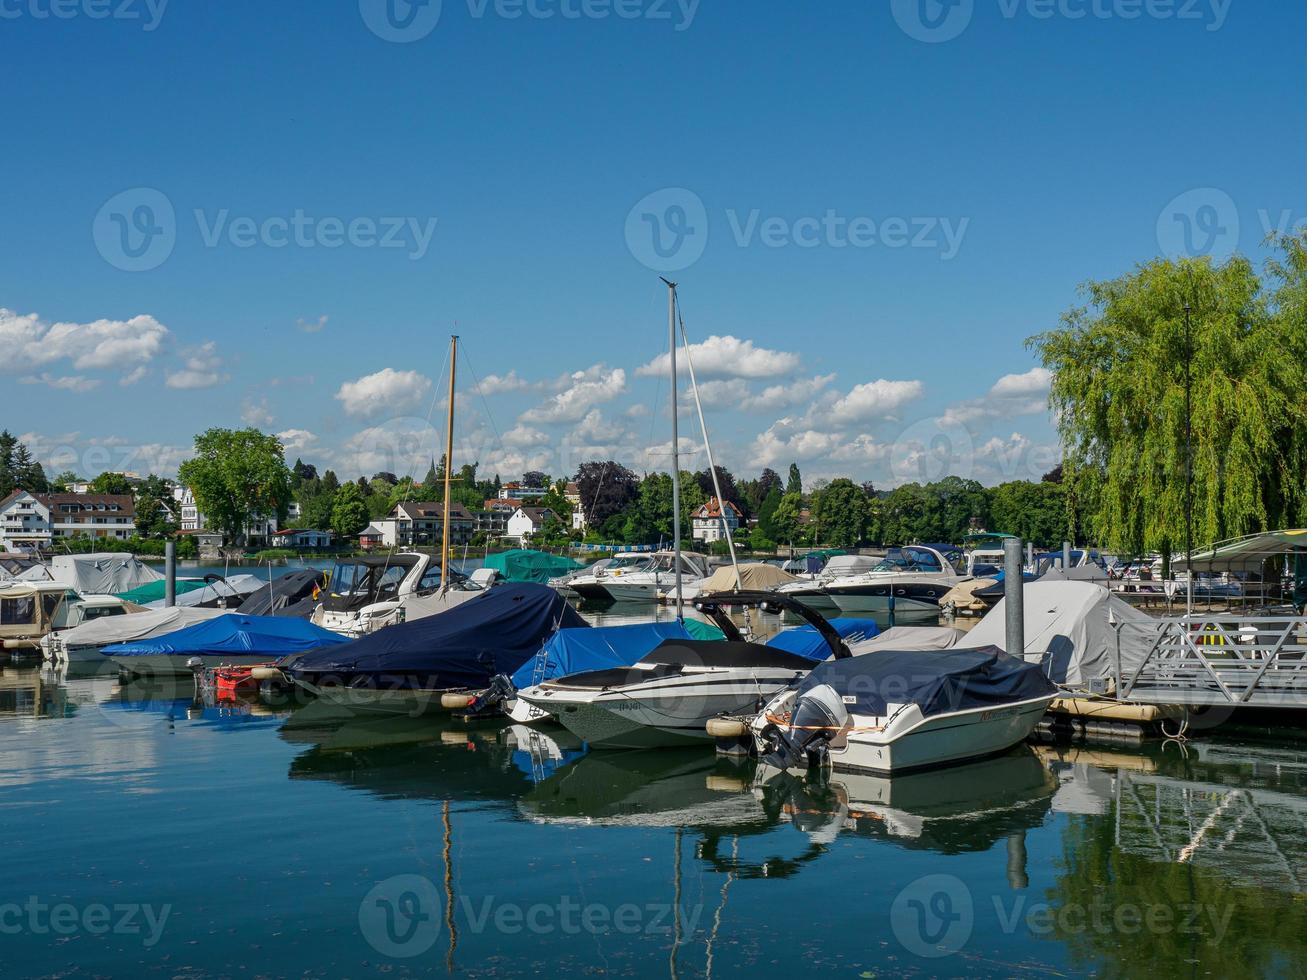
(711, 521)
(29, 521)
(423, 522)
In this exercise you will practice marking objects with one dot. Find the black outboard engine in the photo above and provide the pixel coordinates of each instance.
(818, 716)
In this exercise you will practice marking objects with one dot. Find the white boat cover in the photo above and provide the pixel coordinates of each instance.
(107, 573)
(1075, 630)
(134, 626)
(755, 576)
(910, 638)
(235, 585)
(841, 565)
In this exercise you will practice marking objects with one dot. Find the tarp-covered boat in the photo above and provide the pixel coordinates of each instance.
(106, 573)
(232, 638)
(217, 592)
(412, 663)
(285, 596)
(522, 565)
(752, 576)
(83, 643)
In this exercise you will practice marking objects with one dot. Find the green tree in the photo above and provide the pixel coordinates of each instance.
(787, 520)
(767, 509)
(911, 513)
(64, 481)
(1118, 392)
(795, 482)
(349, 512)
(154, 505)
(1035, 512)
(840, 511)
(236, 476)
(114, 483)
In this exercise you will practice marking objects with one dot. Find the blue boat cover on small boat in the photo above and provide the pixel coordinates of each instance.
(571, 651)
(234, 633)
(807, 642)
(461, 648)
(939, 682)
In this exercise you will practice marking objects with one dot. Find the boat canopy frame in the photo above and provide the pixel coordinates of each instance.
(715, 606)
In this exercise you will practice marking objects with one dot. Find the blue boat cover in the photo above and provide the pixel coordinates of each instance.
(807, 642)
(571, 651)
(234, 633)
(939, 682)
(463, 647)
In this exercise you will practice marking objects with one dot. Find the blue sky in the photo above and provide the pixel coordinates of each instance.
(276, 213)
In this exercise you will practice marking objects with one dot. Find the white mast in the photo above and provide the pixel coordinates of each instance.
(676, 448)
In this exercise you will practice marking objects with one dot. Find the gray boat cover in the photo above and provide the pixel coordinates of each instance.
(107, 573)
(910, 638)
(1075, 630)
(234, 589)
(134, 626)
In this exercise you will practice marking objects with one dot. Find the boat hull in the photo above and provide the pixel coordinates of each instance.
(941, 740)
(178, 664)
(876, 599)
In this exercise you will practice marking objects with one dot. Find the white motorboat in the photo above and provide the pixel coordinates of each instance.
(909, 579)
(642, 578)
(894, 712)
(366, 593)
(669, 696)
(811, 589)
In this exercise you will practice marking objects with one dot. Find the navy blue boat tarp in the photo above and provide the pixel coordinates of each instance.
(571, 651)
(939, 682)
(807, 642)
(461, 648)
(235, 633)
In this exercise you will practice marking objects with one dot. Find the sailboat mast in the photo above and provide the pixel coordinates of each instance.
(449, 464)
(676, 449)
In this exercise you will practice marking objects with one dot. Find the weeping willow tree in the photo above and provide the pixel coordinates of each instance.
(1118, 392)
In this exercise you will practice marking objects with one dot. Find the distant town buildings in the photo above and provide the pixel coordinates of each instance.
(29, 521)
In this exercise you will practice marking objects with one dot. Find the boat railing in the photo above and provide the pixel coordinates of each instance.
(1234, 660)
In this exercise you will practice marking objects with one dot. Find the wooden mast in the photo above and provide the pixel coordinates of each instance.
(449, 465)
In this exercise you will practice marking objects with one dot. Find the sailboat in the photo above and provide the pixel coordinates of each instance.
(411, 666)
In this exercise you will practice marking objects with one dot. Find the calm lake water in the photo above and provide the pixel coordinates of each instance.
(146, 835)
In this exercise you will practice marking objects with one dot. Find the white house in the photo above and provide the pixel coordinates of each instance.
(710, 524)
(527, 522)
(259, 530)
(30, 520)
(302, 538)
(515, 491)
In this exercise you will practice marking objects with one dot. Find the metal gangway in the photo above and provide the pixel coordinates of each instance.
(1226, 659)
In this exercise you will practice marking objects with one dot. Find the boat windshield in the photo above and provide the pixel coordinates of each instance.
(919, 560)
(629, 563)
(358, 583)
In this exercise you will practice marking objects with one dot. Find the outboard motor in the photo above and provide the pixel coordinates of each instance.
(817, 717)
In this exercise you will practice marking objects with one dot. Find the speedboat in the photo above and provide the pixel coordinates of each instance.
(668, 697)
(364, 594)
(909, 579)
(811, 589)
(409, 668)
(641, 578)
(895, 712)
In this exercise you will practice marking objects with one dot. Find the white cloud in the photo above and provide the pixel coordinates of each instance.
(523, 436)
(103, 345)
(64, 383)
(202, 369)
(312, 326)
(776, 398)
(586, 389)
(1036, 381)
(778, 444)
(595, 428)
(133, 376)
(1010, 396)
(297, 440)
(875, 400)
(386, 392)
(257, 413)
(495, 384)
(729, 357)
